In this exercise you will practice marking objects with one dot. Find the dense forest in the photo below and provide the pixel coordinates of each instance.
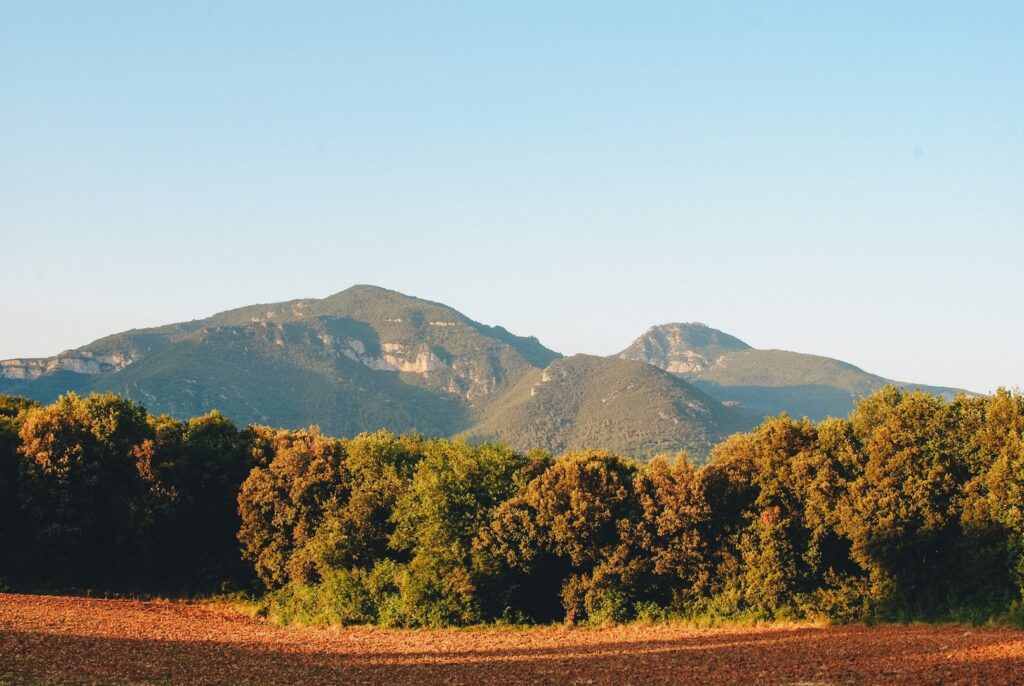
(911, 508)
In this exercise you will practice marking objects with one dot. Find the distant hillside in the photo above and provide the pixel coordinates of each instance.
(369, 358)
(586, 401)
(362, 359)
(765, 382)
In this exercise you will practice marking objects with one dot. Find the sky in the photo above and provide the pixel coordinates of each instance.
(844, 179)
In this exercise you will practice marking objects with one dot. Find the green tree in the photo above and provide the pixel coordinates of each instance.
(218, 461)
(455, 489)
(905, 514)
(283, 504)
(565, 533)
(999, 499)
(669, 539)
(358, 534)
(13, 531)
(728, 485)
(83, 494)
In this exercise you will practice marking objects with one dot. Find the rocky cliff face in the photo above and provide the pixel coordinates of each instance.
(682, 348)
(27, 369)
(468, 378)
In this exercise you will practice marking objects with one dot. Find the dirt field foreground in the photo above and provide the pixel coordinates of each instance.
(58, 640)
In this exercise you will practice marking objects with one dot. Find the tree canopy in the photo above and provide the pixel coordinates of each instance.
(912, 507)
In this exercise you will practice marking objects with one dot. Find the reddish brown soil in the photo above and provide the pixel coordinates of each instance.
(58, 640)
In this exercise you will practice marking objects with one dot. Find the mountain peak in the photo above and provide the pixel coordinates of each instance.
(765, 382)
(682, 347)
(366, 289)
(698, 335)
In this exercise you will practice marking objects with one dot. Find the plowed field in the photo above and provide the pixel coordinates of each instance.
(60, 640)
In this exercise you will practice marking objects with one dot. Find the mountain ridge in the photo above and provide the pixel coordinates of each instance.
(367, 358)
(359, 359)
(766, 381)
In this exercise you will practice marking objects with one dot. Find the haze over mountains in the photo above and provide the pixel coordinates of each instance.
(369, 358)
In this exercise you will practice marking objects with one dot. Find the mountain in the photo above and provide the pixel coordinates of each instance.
(629, 407)
(764, 382)
(369, 358)
(362, 359)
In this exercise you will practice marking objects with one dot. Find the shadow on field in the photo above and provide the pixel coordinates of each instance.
(837, 655)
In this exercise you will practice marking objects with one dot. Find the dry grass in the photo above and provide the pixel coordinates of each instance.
(61, 640)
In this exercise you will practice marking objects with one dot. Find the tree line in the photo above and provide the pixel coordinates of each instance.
(910, 508)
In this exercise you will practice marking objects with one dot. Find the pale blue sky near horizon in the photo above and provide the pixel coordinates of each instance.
(844, 179)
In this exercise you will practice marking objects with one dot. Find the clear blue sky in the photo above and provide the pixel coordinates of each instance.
(837, 178)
